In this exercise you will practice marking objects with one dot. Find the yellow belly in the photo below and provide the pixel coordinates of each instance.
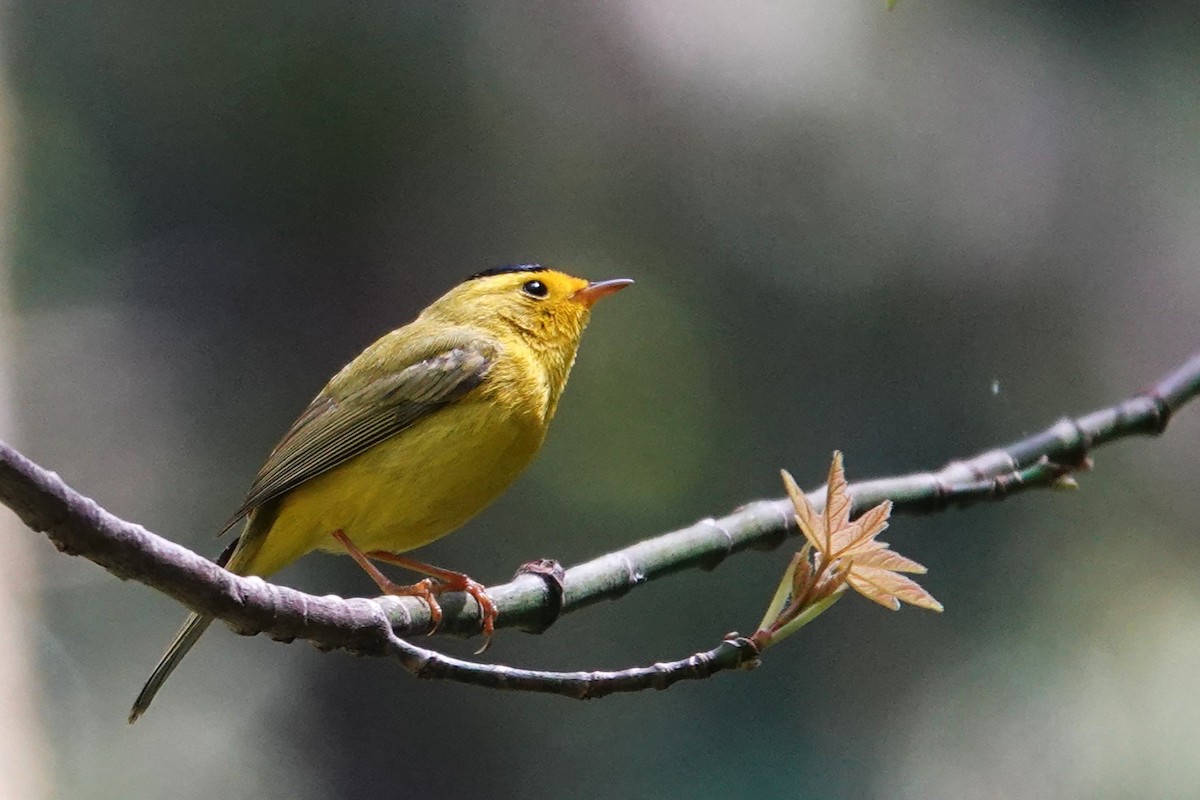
(404, 492)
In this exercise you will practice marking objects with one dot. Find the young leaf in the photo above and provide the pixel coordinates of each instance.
(884, 558)
(838, 554)
(872, 582)
(837, 501)
(806, 515)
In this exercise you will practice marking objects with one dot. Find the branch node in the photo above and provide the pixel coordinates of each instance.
(633, 574)
(1076, 439)
(942, 490)
(397, 612)
(553, 576)
(713, 562)
(254, 591)
(1162, 411)
(748, 649)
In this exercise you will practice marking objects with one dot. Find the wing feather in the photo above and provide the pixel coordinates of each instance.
(332, 430)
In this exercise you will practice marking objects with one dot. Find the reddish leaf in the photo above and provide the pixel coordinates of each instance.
(884, 558)
(895, 584)
(806, 515)
(837, 501)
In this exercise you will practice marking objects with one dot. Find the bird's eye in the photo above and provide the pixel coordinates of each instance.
(535, 289)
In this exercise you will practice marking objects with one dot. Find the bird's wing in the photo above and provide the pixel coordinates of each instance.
(334, 429)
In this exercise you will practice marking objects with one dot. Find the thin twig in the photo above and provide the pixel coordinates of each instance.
(734, 652)
(77, 525)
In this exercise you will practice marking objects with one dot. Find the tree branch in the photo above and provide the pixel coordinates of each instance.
(734, 652)
(533, 600)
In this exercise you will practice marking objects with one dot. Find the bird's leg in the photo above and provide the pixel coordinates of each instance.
(449, 581)
(424, 589)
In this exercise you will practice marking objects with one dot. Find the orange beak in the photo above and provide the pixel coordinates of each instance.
(589, 294)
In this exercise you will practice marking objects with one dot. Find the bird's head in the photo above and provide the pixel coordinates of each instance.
(546, 308)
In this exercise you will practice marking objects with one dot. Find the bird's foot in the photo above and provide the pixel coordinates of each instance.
(449, 581)
(426, 589)
(439, 582)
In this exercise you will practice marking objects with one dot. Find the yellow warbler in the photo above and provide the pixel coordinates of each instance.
(414, 437)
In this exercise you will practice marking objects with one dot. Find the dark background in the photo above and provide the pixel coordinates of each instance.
(909, 235)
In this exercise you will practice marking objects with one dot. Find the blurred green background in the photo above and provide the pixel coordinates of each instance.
(910, 235)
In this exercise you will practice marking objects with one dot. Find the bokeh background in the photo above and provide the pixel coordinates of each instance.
(910, 235)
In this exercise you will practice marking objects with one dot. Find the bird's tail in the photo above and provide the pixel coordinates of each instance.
(188, 635)
(193, 628)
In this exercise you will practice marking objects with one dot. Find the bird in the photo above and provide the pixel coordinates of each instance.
(412, 438)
